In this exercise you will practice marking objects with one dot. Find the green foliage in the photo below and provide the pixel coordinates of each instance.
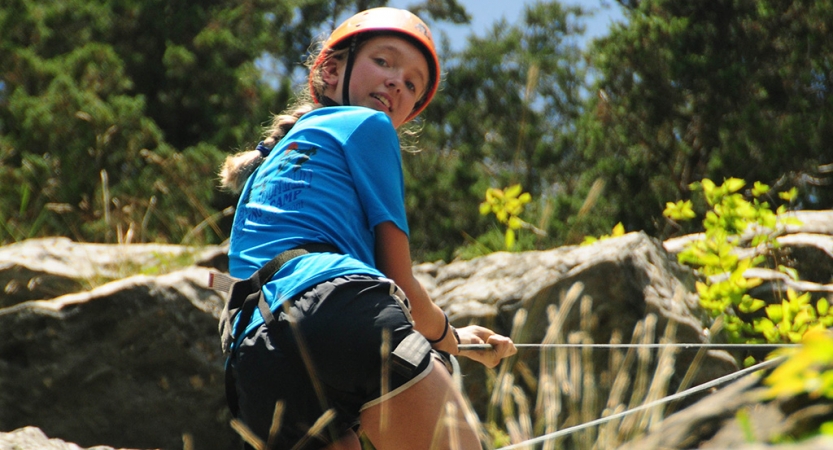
(733, 223)
(504, 116)
(114, 116)
(97, 91)
(618, 230)
(100, 104)
(808, 370)
(745, 425)
(693, 90)
(507, 206)
(790, 320)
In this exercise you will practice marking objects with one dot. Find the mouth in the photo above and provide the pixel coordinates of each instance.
(383, 100)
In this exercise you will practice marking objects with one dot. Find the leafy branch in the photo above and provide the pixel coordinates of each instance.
(507, 206)
(732, 223)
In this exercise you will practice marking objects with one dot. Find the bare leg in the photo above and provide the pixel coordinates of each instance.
(429, 415)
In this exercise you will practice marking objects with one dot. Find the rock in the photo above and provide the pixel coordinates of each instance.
(623, 280)
(32, 438)
(48, 267)
(739, 417)
(134, 363)
(811, 255)
(815, 222)
(808, 247)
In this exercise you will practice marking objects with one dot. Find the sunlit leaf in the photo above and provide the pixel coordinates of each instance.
(513, 191)
(759, 189)
(734, 184)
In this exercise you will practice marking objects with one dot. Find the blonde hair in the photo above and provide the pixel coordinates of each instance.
(237, 168)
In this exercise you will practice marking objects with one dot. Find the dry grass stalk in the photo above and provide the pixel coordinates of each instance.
(507, 407)
(527, 376)
(247, 434)
(609, 433)
(551, 414)
(640, 384)
(518, 322)
(616, 359)
(548, 403)
(450, 423)
(385, 380)
(316, 428)
(589, 408)
(187, 441)
(644, 359)
(562, 372)
(660, 380)
(524, 418)
(619, 389)
(277, 418)
(561, 354)
(695, 365)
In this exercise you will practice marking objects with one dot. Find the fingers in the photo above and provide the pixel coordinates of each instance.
(502, 345)
(499, 346)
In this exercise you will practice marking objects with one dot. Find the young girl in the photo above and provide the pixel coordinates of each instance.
(333, 339)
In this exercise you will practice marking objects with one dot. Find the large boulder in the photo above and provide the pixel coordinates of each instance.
(49, 267)
(619, 290)
(133, 363)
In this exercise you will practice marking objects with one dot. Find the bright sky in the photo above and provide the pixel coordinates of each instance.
(485, 13)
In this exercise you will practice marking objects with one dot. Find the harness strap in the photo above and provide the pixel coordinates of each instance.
(223, 282)
(244, 296)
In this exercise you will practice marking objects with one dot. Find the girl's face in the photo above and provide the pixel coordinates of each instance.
(389, 75)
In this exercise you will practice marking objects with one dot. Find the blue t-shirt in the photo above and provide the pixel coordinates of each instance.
(334, 177)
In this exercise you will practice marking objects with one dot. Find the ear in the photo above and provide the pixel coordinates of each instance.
(330, 73)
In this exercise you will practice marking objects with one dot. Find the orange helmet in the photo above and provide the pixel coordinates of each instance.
(383, 20)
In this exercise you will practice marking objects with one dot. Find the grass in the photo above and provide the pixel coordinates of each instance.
(570, 390)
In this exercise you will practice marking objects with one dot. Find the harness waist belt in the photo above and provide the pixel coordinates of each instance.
(223, 282)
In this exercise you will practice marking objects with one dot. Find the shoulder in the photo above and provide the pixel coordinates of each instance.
(355, 116)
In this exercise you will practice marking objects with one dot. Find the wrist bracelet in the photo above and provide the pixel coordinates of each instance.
(445, 332)
(456, 335)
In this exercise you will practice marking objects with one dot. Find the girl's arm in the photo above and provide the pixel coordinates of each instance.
(393, 258)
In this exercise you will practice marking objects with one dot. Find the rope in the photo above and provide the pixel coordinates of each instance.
(661, 401)
(672, 344)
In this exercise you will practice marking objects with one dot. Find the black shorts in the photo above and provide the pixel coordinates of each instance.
(339, 324)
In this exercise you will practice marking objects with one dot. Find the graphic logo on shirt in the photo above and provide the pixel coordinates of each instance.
(283, 189)
(296, 155)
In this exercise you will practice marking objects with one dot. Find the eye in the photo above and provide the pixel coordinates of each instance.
(411, 86)
(381, 61)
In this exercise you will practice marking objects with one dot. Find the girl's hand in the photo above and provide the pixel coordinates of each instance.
(502, 346)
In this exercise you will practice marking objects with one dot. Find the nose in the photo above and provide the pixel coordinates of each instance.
(395, 81)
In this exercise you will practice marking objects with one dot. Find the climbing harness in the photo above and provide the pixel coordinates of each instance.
(243, 296)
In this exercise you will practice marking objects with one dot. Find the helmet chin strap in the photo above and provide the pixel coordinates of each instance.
(348, 70)
(327, 101)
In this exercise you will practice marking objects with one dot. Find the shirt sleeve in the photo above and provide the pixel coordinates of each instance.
(373, 156)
